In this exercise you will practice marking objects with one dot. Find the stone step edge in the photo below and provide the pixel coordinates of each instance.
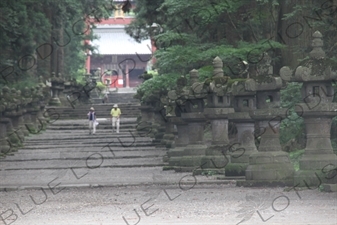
(84, 158)
(143, 184)
(85, 167)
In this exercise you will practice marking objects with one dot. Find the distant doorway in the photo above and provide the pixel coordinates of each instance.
(134, 81)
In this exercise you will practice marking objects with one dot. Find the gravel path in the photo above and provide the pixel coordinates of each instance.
(201, 204)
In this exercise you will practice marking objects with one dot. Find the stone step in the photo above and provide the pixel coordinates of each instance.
(101, 136)
(82, 115)
(13, 179)
(116, 144)
(116, 98)
(80, 111)
(123, 127)
(80, 148)
(45, 154)
(96, 160)
(98, 138)
(123, 120)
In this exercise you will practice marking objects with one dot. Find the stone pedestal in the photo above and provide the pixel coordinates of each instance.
(41, 117)
(270, 165)
(169, 138)
(318, 162)
(4, 145)
(33, 115)
(245, 146)
(183, 132)
(181, 141)
(13, 138)
(158, 128)
(146, 120)
(216, 156)
(29, 125)
(17, 126)
(195, 150)
(22, 125)
(54, 100)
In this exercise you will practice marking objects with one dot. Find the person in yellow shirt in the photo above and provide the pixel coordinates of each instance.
(115, 117)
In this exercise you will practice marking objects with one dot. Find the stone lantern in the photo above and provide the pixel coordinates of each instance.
(195, 119)
(244, 102)
(270, 165)
(317, 110)
(177, 101)
(44, 98)
(32, 123)
(15, 113)
(57, 86)
(159, 120)
(217, 110)
(146, 119)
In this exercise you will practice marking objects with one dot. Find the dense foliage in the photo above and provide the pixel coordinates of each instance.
(41, 37)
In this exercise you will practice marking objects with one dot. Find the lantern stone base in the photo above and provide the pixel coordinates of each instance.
(264, 183)
(4, 146)
(239, 161)
(329, 187)
(168, 140)
(176, 152)
(54, 102)
(315, 178)
(188, 157)
(280, 172)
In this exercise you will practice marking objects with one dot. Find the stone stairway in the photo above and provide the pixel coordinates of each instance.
(65, 153)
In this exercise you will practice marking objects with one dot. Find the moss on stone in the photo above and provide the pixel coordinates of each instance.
(236, 169)
(230, 82)
(295, 158)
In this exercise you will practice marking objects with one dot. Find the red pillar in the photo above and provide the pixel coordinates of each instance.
(87, 63)
(87, 42)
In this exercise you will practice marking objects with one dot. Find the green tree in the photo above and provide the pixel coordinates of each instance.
(48, 34)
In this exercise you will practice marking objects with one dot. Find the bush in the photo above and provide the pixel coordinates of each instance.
(160, 83)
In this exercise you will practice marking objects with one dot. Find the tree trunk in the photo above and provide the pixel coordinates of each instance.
(295, 33)
(60, 53)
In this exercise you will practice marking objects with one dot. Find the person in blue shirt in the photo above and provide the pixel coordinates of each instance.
(92, 120)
